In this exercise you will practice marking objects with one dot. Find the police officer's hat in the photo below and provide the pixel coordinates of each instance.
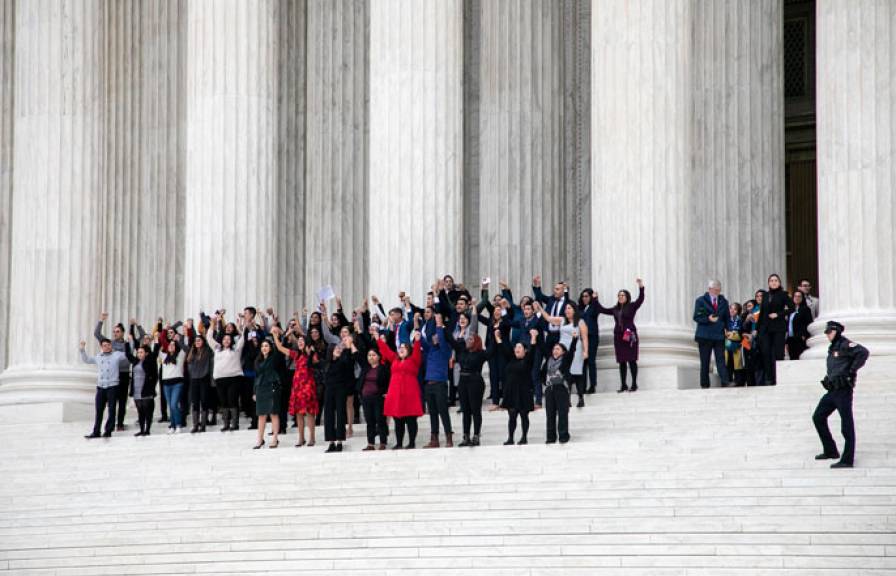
(833, 326)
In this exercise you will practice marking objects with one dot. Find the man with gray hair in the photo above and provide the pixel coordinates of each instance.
(711, 316)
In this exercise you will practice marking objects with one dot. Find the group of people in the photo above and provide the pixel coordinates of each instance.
(394, 366)
(748, 339)
(400, 364)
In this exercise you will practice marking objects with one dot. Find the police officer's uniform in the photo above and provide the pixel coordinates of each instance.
(844, 360)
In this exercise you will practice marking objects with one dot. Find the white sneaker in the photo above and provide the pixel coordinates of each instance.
(172, 430)
(177, 430)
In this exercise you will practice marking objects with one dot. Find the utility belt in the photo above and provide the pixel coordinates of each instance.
(838, 383)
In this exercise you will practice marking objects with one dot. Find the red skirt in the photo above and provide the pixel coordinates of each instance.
(303, 399)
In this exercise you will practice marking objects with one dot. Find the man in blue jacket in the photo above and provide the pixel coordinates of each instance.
(437, 347)
(711, 316)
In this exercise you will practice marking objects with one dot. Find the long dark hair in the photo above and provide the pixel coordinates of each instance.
(628, 298)
(169, 357)
(575, 312)
(202, 350)
(590, 293)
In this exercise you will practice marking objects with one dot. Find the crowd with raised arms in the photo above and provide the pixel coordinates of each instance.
(394, 366)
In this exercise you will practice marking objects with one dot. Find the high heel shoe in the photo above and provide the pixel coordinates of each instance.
(259, 445)
(622, 389)
(300, 444)
(274, 445)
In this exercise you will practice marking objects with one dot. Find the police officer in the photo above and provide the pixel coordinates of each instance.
(844, 360)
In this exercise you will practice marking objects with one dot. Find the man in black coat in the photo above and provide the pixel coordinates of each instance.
(844, 360)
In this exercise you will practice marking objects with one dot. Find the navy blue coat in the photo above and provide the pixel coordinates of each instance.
(707, 330)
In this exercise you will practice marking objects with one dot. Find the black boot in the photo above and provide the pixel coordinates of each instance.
(203, 420)
(214, 420)
(195, 427)
(225, 417)
(234, 419)
(622, 388)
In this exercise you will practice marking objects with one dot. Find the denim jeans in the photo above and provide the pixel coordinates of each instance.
(173, 390)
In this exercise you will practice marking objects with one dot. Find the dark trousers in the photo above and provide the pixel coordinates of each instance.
(285, 394)
(511, 423)
(334, 413)
(409, 422)
(376, 421)
(124, 382)
(556, 402)
(105, 397)
(471, 389)
(591, 363)
(537, 359)
(841, 401)
(145, 409)
(163, 405)
(708, 348)
(578, 380)
(247, 404)
(228, 391)
(772, 347)
(199, 393)
(437, 401)
(795, 347)
(495, 376)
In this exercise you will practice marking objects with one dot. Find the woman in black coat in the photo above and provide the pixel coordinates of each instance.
(518, 392)
(798, 326)
(470, 356)
(773, 327)
(145, 362)
(338, 381)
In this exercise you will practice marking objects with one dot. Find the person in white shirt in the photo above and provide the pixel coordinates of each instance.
(108, 361)
(173, 381)
(227, 373)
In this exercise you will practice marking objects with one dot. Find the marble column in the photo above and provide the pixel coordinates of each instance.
(856, 111)
(336, 163)
(7, 85)
(59, 159)
(738, 144)
(161, 218)
(642, 150)
(523, 219)
(231, 154)
(416, 138)
(576, 73)
(291, 117)
(144, 222)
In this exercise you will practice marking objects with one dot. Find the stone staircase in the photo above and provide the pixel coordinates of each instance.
(666, 482)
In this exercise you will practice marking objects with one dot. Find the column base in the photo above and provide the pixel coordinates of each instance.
(667, 359)
(874, 331)
(31, 394)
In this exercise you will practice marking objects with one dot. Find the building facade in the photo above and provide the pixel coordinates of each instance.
(162, 157)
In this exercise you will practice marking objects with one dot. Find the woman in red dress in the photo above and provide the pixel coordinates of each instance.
(403, 397)
(303, 399)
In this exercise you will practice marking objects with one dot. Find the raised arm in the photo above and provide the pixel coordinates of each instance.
(583, 335)
(98, 331)
(640, 300)
(554, 320)
(84, 357)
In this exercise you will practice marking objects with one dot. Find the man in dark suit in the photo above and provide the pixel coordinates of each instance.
(711, 315)
(553, 305)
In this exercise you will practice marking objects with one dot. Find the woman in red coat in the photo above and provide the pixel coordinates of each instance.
(625, 333)
(403, 398)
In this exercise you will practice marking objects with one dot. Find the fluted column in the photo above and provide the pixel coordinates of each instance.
(856, 114)
(60, 143)
(291, 115)
(231, 167)
(642, 149)
(159, 242)
(7, 84)
(416, 129)
(336, 164)
(524, 223)
(739, 144)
